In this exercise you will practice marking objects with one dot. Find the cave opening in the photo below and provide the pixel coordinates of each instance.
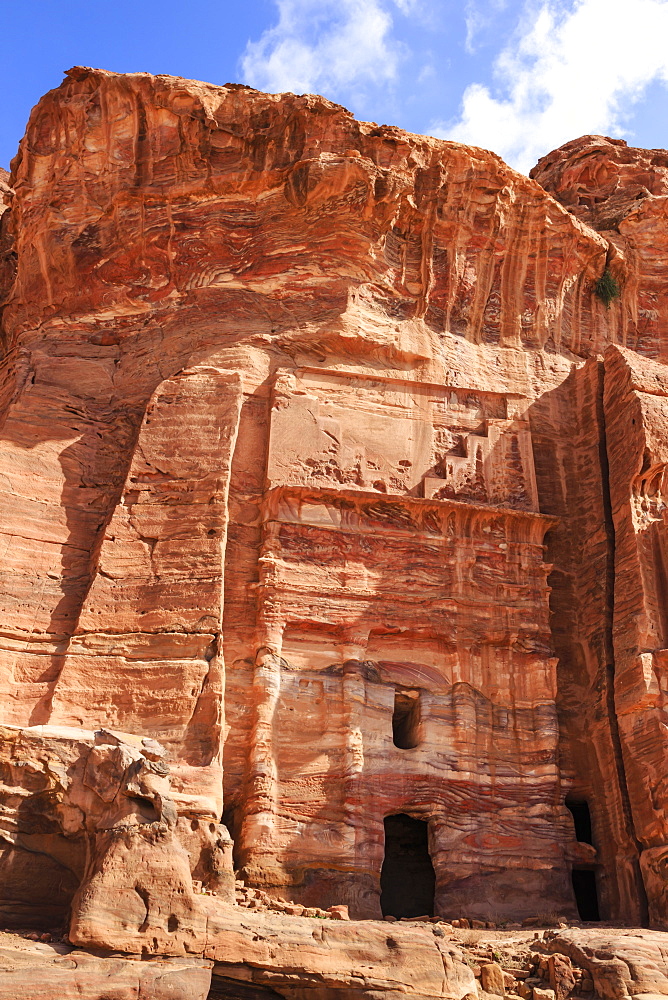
(406, 718)
(579, 809)
(586, 893)
(146, 807)
(407, 879)
(223, 988)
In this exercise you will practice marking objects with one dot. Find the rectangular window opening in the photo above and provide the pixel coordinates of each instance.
(406, 718)
(579, 809)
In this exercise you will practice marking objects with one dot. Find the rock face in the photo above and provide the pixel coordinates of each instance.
(44, 971)
(333, 534)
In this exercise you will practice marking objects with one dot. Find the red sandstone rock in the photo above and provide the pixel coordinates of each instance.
(620, 962)
(622, 193)
(492, 978)
(562, 979)
(47, 972)
(4, 190)
(319, 507)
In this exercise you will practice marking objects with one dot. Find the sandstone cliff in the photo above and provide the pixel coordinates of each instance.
(333, 534)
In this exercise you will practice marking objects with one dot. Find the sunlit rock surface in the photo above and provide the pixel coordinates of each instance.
(333, 539)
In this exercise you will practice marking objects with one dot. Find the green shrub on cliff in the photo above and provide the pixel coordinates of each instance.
(607, 288)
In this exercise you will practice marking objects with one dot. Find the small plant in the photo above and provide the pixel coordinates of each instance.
(607, 288)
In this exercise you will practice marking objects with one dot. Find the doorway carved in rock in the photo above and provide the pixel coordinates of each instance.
(407, 879)
(585, 891)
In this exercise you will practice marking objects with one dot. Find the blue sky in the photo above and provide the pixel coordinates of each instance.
(516, 76)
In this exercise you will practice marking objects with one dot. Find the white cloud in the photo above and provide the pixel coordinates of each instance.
(574, 68)
(327, 46)
(478, 17)
(427, 73)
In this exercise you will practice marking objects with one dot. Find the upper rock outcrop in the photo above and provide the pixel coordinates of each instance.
(621, 192)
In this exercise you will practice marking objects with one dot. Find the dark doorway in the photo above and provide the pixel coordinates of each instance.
(581, 819)
(406, 718)
(407, 880)
(235, 989)
(586, 893)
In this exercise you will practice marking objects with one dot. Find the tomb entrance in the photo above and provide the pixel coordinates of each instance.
(407, 879)
(586, 893)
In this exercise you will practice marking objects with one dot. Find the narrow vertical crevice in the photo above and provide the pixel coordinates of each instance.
(231, 819)
(608, 643)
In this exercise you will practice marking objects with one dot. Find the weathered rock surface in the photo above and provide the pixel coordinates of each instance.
(93, 812)
(622, 193)
(4, 190)
(277, 956)
(333, 540)
(621, 963)
(301, 955)
(34, 971)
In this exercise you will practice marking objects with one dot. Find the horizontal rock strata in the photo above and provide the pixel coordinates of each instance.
(332, 520)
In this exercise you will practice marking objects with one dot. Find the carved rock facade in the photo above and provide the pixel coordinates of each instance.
(333, 530)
